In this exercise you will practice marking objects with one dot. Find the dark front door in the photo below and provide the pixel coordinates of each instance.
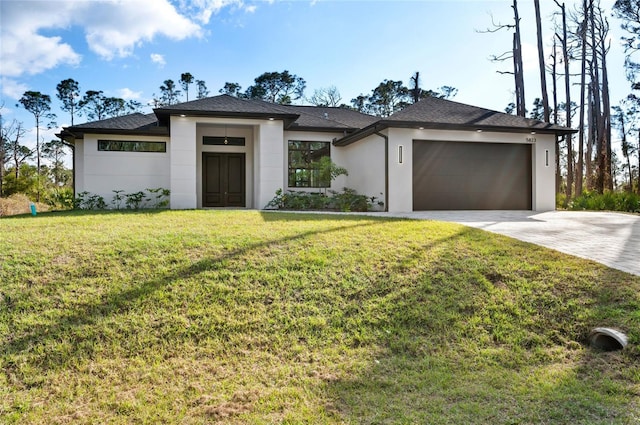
(223, 180)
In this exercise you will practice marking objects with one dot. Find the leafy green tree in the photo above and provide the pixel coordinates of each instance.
(538, 110)
(38, 105)
(98, 107)
(361, 104)
(232, 89)
(54, 150)
(23, 179)
(277, 87)
(68, 92)
(169, 93)
(186, 79)
(95, 105)
(389, 97)
(328, 171)
(202, 89)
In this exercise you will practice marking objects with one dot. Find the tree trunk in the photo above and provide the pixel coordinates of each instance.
(518, 66)
(597, 114)
(591, 137)
(606, 113)
(567, 86)
(554, 76)
(583, 68)
(543, 74)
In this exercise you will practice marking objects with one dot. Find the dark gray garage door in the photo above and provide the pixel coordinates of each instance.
(471, 176)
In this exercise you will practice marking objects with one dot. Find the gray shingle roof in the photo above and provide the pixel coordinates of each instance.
(429, 113)
(222, 104)
(326, 115)
(135, 121)
(432, 110)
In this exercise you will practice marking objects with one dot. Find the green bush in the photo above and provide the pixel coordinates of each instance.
(299, 200)
(155, 198)
(347, 200)
(608, 201)
(60, 198)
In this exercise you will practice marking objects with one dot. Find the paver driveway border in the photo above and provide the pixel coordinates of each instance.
(610, 238)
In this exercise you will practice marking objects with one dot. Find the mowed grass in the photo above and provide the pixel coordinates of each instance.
(244, 317)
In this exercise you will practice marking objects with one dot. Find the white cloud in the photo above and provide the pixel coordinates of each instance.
(202, 10)
(116, 28)
(128, 94)
(158, 58)
(23, 50)
(111, 28)
(11, 88)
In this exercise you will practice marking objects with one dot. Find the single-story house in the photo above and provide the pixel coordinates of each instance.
(224, 151)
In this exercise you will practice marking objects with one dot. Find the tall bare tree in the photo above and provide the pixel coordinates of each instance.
(567, 85)
(516, 55)
(582, 31)
(326, 96)
(543, 73)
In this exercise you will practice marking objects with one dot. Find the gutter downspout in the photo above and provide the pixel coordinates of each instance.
(386, 169)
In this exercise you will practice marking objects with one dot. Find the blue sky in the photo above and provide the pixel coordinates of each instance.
(128, 48)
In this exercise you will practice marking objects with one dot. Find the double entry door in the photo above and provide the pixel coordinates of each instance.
(223, 180)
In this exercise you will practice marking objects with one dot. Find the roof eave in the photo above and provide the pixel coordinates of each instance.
(78, 133)
(164, 114)
(322, 129)
(548, 129)
(382, 124)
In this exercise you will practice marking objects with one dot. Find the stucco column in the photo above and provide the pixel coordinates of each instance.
(182, 150)
(270, 158)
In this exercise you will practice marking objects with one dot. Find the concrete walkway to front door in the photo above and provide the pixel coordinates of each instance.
(612, 239)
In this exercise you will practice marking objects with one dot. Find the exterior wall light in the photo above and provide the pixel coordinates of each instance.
(479, 130)
(546, 157)
(400, 154)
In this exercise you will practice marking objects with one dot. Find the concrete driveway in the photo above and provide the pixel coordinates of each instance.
(612, 239)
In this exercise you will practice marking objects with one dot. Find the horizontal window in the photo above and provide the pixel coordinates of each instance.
(304, 163)
(131, 146)
(225, 141)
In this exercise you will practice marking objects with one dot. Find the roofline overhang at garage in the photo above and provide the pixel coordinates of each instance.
(384, 124)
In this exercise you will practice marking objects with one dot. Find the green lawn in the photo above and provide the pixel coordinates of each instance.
(246, 317)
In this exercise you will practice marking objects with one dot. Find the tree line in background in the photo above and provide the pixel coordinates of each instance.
(582, 39)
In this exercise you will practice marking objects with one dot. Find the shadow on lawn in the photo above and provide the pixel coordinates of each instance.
(443, 360)
(119, 302)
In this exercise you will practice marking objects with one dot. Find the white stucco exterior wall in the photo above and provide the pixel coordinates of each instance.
(269, 159)
(183, 163)
(102, 172)
(401, 174)
(544, 175)
(365, 162)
